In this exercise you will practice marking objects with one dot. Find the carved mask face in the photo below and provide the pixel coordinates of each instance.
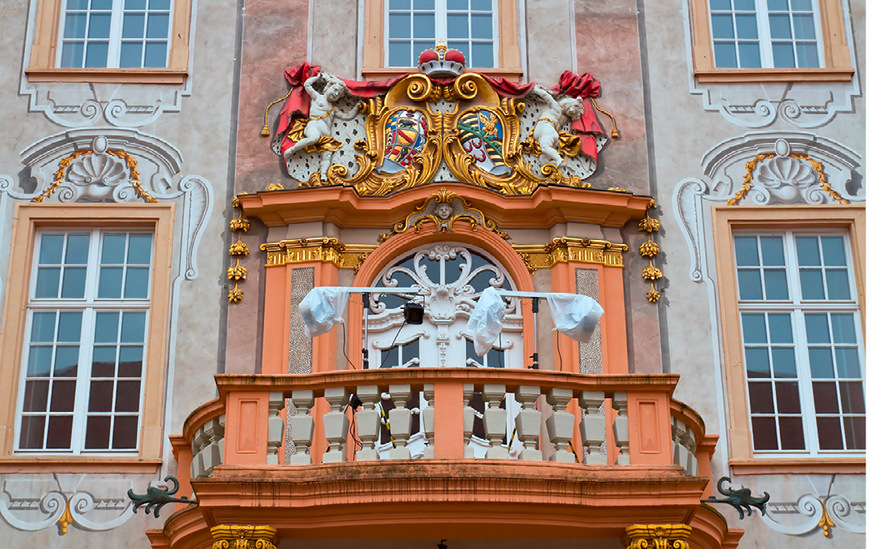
(443, 211)
(333, 92)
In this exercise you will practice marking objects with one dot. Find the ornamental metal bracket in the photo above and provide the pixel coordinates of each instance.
(155, 498)
(740, 499)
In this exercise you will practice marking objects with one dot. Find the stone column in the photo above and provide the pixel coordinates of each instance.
(243, 537)
(657, 536)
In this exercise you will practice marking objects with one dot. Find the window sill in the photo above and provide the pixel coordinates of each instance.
(383, 73)
(77, 464)
(774, 75)
(109, 76)
(774, 466)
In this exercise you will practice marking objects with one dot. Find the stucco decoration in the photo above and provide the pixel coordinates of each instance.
(88, 502)
(382, 137)
(800, 104)
(764, 168)
(115, 165)
(821, 510)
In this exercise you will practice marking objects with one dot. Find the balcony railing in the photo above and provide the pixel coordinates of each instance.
(595, 420)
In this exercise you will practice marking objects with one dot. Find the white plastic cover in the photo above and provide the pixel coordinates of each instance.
(322, 308)
(574, 315)
(486, 321)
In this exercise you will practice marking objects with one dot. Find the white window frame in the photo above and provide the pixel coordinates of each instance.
(764, 37)
(796, 307)
(113, 57)
(89, 305)
(441, 31)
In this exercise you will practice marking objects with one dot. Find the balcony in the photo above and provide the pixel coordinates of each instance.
(599, 454)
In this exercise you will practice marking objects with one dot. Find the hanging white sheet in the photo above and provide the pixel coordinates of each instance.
(322, 308)
(486, 321)
(574, 315)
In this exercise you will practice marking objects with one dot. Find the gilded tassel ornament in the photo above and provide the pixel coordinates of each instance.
(615, 133)
(264, 132)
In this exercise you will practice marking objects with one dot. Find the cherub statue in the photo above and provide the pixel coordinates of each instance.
(322, 109)
(558, 112)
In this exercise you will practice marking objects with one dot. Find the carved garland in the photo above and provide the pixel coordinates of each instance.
(65, 163)
(238, 249)
(649, 250)
(751, 165)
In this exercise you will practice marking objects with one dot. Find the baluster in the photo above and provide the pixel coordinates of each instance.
(335, 424)
(428, 420)
(621, 428)
(212, 454)
(529, 421)
(302, 426)
(197, 445)
(495, 421)
(368, 422)
(688, 444)
(468, 420)
(561, 424)
(400, 419)
(275, 427)
(593, 427)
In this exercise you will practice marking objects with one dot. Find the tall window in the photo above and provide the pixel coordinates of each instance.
(115, 34)
(466, 25)
(802, 342)
(752, 34)
(83, 359)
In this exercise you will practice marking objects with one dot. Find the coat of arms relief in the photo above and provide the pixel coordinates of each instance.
(439, 124)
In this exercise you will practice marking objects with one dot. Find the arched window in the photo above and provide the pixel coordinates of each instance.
(450, 277)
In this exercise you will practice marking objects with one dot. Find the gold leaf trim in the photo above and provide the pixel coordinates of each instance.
(237, 273)
(64, 163)
(649, 250)
(751, 165)
(565, 249)
(323, 249)
(657, 536)
(243, 537)
(66, 518)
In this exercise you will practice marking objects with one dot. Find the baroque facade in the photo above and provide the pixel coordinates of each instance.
(179, 176)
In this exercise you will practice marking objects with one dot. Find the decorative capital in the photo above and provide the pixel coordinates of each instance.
(322, 249)
(657, 536)
(243, 537)
(565, 249)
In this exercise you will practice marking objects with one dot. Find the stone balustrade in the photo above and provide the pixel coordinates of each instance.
(595, 420)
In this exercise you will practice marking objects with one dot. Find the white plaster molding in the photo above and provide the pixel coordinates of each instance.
(36, 502)
(800, 104)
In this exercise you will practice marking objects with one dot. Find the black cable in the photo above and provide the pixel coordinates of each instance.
(395, 340)
(344, 344)
(559, 356)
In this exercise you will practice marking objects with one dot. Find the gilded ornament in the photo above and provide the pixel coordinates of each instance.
(236, 272)
(235, 295)
(275, 187)
(649, 225)
(239, 248)
(327, 250)
(784, 179)
(649, 249)
(565, 249)
(825, 524)
(657, 536)
(66, 518)
(652, 295)
(652, 273)
(443, 209)
(240, 224)
(243, 537)
(65, 163)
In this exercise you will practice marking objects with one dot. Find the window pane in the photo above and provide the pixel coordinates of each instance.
(821, 363)
(101, 4)
(136, 285)
(112, 251)
(787, 396)
(834, 251)
(424, 25)
(63, 396)
(32, 431)
(746, 251)
(838, 286)
(458, 26)
(750, 286)
(777, 5)
(73, 286)
(42, 327)
(812, 283)
(816, 328)
(753, 328)
(807, 55)
(720, 4)
(481, 5)
(106, 330)
(75, 25)
(110, 282)
(760, 397)
(103, 364)
(127, 399)
(825, 399)
(776, 284)
(131, 55)
(482, 26)
(66, 361)
(70, 327)
(847, 362)
(780, 328)
(72, 55)
(47, 281)
(155, 55)
(424, 5)
(749, 55)
(134, 25)
(400, 25)
(482, 55)
(807, 251)
(133, 328)
(725, 55)
(77, 249)
(51, 249)
(803, 26)
(35, 396)
(124, 434)
(765, 437)
(722, 26)
(746, 26)
(855, 433)
(130, 361)
(97, 432)
(783, 362)
(772, 251)
(801, 5)
(60, 431)
(97, 55)
(829, 433)
(757, 362)
(792, 437)
(39, 361)
(744, 5)
(159, 4)
(400, 4)
(458, 5)
(779, 26)
(782, 54)
(99, 25)
(852, 397)
(100, 399)
(843, 328)
(157, 26)
(399, 54)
